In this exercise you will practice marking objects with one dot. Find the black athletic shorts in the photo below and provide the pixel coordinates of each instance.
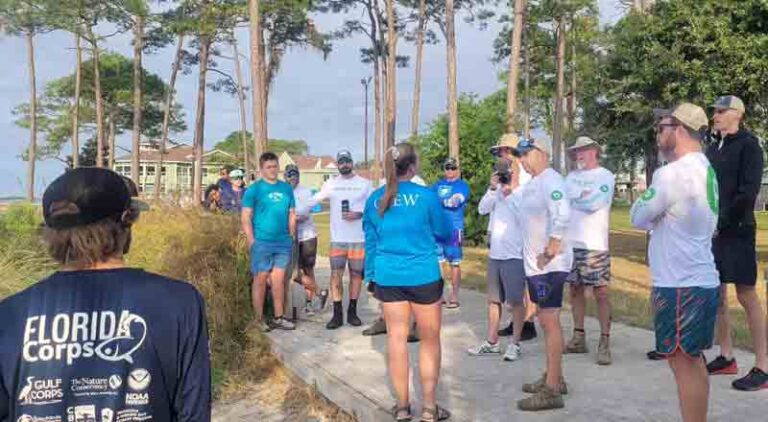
(426, 294)
(736, 257)
(308, 254)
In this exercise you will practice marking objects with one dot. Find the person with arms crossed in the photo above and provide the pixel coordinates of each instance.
(680, 211)
(403, 222)
(95, 321)
(453, 192)
(738, 162)
(505, 272)
(306, 234)
(544, 212)
(590, 192)
(269, 222)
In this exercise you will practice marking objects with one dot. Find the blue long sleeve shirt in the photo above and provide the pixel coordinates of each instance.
(453, 196)
(401, 245)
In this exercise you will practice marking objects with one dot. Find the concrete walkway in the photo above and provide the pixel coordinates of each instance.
(350, 370)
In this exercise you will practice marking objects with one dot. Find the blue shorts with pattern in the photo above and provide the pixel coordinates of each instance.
(266, 255)
(684, 319)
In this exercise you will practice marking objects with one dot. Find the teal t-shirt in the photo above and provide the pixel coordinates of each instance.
(271, 204)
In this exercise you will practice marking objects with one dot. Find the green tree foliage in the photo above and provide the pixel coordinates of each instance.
(234, 145)
(481, 123)
(54, 118)
(684, 50)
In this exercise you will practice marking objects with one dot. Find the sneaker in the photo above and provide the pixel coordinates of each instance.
(513, 352)
(309, 310)
(283, 324)
(529, 331)
(755, 380)
(654, 355)
(723, 366)
(485, 348)
(508, 330)
(545, 399)
(578, 343)
(377, 328)
(536, 386)
(604, 351)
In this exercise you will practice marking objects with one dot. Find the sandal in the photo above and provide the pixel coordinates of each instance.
(401, 414)
(452, 305)
(434, 414)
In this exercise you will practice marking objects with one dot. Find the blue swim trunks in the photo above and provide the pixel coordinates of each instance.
(452, 251)
(265, 255)
(684, 319)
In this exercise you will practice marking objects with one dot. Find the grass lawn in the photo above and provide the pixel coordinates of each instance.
(630, 288)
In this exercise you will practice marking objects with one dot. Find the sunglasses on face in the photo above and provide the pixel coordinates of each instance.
(345, 161)
(450, 168)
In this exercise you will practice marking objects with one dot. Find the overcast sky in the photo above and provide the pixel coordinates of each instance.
(312, 99)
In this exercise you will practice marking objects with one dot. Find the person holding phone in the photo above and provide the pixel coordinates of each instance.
(347, 194)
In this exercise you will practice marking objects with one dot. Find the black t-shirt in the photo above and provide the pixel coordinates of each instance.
(119, 345)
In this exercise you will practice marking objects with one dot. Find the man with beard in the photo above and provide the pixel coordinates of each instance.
(347, 194)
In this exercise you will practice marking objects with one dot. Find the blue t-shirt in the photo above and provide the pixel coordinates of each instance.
(401, 246)
(105, 345)
(453, 198)
(271, 204)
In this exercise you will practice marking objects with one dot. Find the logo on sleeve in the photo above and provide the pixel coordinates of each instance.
(713, 192)
(649, 194)
(556, 195)
(604, 189)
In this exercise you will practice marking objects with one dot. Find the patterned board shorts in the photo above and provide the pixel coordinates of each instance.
(684, 319)
(345, 254)
(591, 268)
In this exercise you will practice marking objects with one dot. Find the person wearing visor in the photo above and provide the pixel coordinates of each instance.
(680, 210)
(504, 151)
(347, 194)
(306, 236)
(94, 317)
(590, 192)
(545, 213)
(232, 197)
(737, 158)
(453, 192)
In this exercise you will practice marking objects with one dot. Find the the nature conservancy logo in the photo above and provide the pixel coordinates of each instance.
(65, 337)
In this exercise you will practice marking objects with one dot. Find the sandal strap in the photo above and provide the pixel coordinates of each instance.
(435, 414)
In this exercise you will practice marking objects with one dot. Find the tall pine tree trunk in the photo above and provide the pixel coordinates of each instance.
(32, 150)
(417, 80)
(197, 186)
(572, 90)
(377, 90)
(557, 141)
(257, 79)
(391, 73)
(76, 105)
(99, 101)
(453, 105)
(528, 58)
(112, 134)
(138, 45)
(514, 64)
(167, 113)
(241, 103)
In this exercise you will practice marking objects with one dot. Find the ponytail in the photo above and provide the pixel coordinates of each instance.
(397, 160)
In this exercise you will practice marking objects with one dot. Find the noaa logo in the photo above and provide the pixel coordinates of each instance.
(115, 382)
(139, 379)
(444, 191)
(276, 196)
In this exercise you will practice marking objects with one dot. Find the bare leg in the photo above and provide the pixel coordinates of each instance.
(397, 315)
(531, 308)
(428, 321)
(308, 281)
(355, 285)
(494, 316)
(747, 296)
(258, 291)
(455, 282)
(553, 335)
(724, 325)
(603, 309)
(578, 304)
(692, 386)
(518, 319)
(337, 290)
(278, 291)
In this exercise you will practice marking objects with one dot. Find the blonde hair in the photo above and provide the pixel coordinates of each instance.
(397, 160)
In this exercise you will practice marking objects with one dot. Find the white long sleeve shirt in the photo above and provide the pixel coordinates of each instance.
(506, 236)
(680, 209)
(544, 213)
(590, 193)
(306, 228)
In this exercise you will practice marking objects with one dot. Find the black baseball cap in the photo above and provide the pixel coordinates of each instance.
(291, 170)
(86, 195)
(450, 162)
